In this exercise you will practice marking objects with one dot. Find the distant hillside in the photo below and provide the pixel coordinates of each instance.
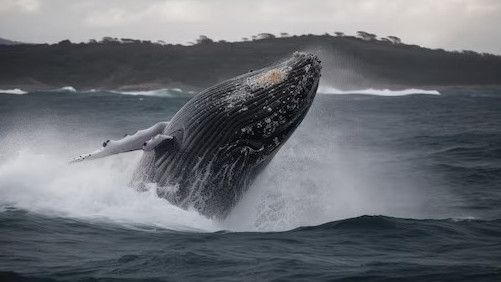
(349, 62)
(4, 41)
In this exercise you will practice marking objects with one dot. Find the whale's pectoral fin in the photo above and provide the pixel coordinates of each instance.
(129, 143)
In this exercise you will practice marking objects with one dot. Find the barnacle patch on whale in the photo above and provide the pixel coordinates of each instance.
(269, 78)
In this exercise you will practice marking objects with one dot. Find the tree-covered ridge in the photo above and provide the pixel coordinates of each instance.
(349, 62)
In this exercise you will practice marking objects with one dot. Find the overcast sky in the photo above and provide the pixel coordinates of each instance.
(448, 24)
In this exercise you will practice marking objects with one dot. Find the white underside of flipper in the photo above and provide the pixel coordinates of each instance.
(145, 139)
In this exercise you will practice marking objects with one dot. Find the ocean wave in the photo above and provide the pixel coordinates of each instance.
(367, 248)
(15, 91)
(66, 89)
(164, 92)
(383, 224)
(377, 225)
(377, 92)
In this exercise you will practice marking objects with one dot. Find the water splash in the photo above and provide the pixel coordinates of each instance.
(96, 190)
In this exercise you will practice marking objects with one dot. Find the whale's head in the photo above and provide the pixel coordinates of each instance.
(267, 105)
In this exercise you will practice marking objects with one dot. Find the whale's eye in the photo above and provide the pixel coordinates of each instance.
(254, 145)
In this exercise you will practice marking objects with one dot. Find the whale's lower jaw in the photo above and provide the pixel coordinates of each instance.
(225, 135)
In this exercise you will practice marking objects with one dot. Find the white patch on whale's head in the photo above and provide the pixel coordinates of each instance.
(269, 78)
(263, 80)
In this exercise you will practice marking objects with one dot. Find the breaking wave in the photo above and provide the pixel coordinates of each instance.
(164, 92)
(378, 92)
(15, 91)
(66, 89)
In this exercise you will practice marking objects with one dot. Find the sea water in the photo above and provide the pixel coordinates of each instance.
(372, 186)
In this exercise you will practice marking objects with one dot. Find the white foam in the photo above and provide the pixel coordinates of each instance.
(378, 92)
(15, 91)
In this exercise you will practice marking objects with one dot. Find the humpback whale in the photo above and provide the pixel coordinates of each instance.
(208, 154)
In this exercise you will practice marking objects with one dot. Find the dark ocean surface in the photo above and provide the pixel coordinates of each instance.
(369, 188)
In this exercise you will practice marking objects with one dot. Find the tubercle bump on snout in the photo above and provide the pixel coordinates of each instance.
(311, 60)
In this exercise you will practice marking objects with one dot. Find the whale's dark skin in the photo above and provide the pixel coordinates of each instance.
(207, 156)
